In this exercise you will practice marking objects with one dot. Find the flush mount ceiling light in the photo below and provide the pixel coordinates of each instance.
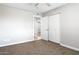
(47, 4)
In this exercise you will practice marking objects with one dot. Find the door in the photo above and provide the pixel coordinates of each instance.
(54, 32)
(44, 28)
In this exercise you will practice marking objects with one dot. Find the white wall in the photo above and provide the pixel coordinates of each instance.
(69, 24)
(16, 26)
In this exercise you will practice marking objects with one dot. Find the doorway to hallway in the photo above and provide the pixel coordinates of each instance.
(37, 27)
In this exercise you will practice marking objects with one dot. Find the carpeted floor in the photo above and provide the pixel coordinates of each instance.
(38, 47)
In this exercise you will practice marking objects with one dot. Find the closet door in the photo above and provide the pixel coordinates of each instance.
(54, 32)
(44, 28)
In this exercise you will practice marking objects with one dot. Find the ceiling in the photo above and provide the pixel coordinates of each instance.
(35, 7)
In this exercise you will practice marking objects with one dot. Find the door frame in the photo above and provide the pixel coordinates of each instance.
(35, 38)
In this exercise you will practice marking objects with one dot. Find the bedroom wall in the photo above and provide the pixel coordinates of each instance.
(16, 26)
(69, 24)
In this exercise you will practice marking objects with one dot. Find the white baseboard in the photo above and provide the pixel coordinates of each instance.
(73, 48)
(15, 43)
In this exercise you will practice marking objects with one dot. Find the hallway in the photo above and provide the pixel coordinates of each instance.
(38, 47)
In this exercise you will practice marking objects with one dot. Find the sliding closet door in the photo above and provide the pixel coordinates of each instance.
(44, 28)
(54, 32)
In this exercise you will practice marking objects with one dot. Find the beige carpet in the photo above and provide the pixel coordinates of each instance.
(38, 47)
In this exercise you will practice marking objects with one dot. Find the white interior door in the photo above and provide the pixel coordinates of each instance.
(44, 28)
(54, 32)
